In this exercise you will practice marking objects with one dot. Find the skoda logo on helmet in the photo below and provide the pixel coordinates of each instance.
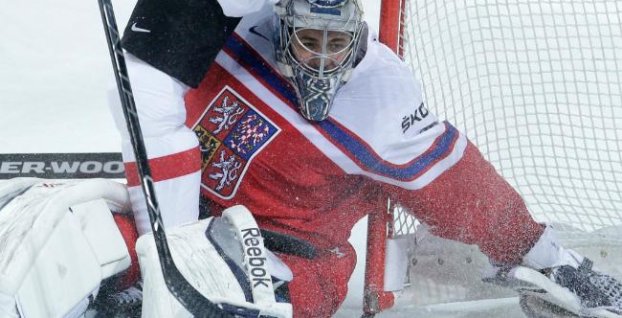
(328, 3)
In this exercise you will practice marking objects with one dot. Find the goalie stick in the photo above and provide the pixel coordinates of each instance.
(177, 284)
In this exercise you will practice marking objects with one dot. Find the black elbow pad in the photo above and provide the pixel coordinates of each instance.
(179, 37)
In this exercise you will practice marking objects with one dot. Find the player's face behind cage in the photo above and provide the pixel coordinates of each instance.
(321, 51)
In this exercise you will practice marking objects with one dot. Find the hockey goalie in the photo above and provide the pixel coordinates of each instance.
(306, 119)
(65, 251)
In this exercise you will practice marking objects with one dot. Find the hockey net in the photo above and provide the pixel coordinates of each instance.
(537, 86)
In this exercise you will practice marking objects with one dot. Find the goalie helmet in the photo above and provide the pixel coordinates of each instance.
(317, 44)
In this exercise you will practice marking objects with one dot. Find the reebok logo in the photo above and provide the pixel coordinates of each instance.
(135, 28)
(255, 257)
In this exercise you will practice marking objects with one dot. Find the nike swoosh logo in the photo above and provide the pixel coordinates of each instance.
(137, 29)
(255, 32)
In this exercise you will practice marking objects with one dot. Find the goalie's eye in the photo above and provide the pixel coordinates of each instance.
(311, 45)
(338, 45)
(320, 50)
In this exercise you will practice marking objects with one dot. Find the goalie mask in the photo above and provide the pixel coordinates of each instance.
(317, 44)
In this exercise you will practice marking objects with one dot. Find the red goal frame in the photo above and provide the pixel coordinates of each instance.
(380, 223)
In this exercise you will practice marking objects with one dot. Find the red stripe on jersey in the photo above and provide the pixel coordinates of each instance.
(167, 167)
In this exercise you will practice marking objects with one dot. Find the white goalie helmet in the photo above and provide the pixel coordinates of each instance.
(318, 42)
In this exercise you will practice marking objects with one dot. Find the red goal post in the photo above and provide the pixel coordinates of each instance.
(381, 224)
(392, 18)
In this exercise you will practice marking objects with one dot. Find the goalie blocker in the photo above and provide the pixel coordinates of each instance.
(223, 258)
(62, 235)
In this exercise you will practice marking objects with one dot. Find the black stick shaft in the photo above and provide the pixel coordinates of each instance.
(185, 293)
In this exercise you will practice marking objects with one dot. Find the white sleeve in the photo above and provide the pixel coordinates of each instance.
(162, 114)
(159, 100)
(239, 8)
(396, 140)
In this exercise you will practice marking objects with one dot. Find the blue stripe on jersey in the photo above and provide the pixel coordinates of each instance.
(373, 163)
(355, 149)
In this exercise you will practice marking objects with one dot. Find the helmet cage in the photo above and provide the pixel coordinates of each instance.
(322, 70)
(324, 58)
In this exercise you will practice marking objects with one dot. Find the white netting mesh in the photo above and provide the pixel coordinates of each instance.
(403, 222)
(537, 85)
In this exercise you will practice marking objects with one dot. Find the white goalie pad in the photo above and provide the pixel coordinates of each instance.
(223, 258)
(58, 241)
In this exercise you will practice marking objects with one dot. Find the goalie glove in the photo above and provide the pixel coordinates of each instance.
(224, 259)
(564, 291)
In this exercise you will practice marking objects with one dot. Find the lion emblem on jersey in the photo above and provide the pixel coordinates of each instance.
(231, 133)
